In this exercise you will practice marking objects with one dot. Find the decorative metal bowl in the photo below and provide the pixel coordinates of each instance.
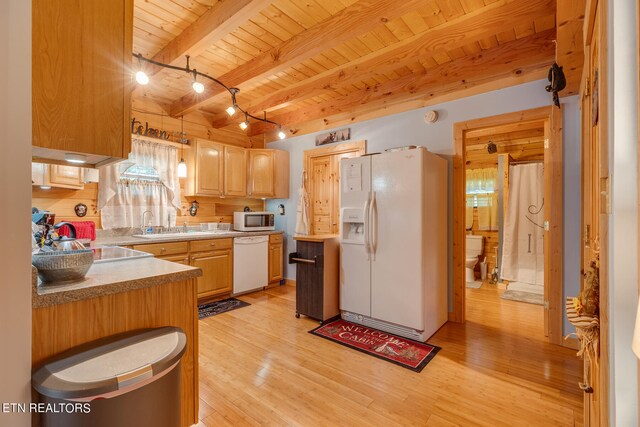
(62, 266)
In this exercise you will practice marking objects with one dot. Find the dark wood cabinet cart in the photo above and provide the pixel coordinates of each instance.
(317, 276)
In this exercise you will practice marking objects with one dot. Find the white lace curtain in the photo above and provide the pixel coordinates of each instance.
(123, 201)
(482, 185)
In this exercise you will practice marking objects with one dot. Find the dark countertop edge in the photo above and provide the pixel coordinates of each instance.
(131, 241)
(63, 297)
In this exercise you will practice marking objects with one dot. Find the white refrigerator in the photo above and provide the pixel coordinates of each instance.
(393, 241)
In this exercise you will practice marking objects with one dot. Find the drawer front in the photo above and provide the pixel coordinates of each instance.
(180, 259)
(161, 249)
(211, 244)
(275, 238)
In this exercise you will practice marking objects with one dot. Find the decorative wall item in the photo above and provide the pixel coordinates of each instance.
(193, 210)
(335, 136)
(80, 209)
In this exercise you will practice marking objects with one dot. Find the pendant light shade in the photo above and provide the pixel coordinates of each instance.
(182, 169)
(182, 166)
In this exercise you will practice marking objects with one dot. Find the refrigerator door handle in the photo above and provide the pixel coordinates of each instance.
(373, 221)
(366, 228)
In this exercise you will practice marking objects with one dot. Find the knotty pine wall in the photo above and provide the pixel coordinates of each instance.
(212, 209)
(196, 125)
(526, 145)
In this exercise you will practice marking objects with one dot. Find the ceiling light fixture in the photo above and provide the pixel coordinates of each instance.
(141, 76)
(244, 125)
(75, 158)
(182, 166)
(231, 110)
(198, 87)
(281, 134)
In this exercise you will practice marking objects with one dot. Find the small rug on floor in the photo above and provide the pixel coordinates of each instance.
(527, 297)
(474, 285)
(404, 352)
(214, 308)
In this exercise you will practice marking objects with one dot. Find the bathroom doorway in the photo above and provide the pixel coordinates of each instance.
(508, 215)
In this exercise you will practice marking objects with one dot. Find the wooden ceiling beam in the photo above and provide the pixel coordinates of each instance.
(221, 19)
(456, 33)
(570, 55)
(528, 55)
(350, 22)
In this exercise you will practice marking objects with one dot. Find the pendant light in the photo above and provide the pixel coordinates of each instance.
(182, 166)
(231, 110)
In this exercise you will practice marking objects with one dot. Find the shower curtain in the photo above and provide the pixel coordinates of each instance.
(523, 249)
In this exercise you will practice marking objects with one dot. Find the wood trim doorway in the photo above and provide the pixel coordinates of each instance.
(551, 118)
(331, 155)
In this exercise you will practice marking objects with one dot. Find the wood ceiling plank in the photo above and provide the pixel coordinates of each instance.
(345, 25)
(464, 32)
(506, 36)
(273, 21)
(471, 5)
(415, 22)
(570, 19)
(260, 33)
(209, 28)
(511, 59)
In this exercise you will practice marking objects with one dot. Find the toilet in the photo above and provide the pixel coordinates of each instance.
(474, 248)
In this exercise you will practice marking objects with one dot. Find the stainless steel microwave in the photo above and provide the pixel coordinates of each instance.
(253, 221)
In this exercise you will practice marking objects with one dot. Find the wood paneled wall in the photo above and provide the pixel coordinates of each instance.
(522, 145)
(212, 209)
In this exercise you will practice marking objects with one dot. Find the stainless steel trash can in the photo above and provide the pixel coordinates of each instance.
(126, 380)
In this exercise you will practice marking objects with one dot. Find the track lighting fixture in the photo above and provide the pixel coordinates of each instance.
(141, 76)
(244, 125)
(143, 79)
(197, 86)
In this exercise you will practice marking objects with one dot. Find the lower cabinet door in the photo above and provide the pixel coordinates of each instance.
(217, 272)
(275, 262)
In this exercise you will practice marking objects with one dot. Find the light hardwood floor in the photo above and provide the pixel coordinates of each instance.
(259, 366)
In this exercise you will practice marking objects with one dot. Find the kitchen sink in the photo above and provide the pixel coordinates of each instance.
(182, 234)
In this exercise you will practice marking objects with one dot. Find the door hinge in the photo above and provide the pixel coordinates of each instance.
(546, 305)
(546, 225)
(546, 143)
(587, 87)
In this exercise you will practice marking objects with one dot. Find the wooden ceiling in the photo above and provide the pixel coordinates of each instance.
(312, 63)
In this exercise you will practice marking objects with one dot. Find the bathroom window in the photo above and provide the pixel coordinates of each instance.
(481, 190)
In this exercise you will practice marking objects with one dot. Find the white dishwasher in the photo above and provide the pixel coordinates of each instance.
(250, 263)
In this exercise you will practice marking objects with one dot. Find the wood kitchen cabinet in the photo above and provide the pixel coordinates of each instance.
(268, 173)
(275, 258)
(205, 165)
(317, 276)
(216, 262)
(235, 171)
(64, 176)
(82, 77)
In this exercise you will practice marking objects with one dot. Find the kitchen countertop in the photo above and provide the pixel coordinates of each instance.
(112, 278)
(130, 240)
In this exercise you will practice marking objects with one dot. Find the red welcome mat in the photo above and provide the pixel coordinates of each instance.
(407, 353)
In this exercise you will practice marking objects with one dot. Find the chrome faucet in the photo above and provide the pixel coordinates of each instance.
(184, 227)
(143, 227)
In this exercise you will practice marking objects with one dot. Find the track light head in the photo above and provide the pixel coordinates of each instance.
(231, 110)
(142, 78)
(244, 125)
(198, 87)
(281, 134)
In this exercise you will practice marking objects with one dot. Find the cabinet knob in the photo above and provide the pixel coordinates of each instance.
(212, 244)
(163, 250)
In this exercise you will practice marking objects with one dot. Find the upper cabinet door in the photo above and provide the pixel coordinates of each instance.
(81, 75)
(64, 176)
(209, 168)
(235, 171)
(261, 173)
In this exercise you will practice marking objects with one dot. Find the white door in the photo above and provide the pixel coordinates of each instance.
(397, 288)
(355, 271)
